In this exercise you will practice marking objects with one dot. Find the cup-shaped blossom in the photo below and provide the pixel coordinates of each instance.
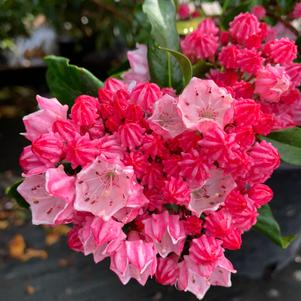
(134, 259)
(103, 187)
(176, 191)
(199, 45)
(271, 83)
(281, 51)
(114, 85)
(265, 159)
(260, 194)
(101, 238)
(166, 231)
(145, 95)
(208, 26)
(41, 122)
(50, 196)
(30, 163)
(131, 135)
(212, 194)
(193, 168)
(139, 71)
(294, 72)
(244, 26)
(191, 278)
(48, 148)
(228, 56)
(203, 104)
(166, 120)
(249, 60)
(84, 112)
(167, 271)
(81, 151)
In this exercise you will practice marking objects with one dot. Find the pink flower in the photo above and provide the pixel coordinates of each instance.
(294, 72)
(281, 51)
(218, 224)
(260, 194)
(84, 112)
(203, 104)
(81, 151)
(48, 148)
(183, 11)
(271, 83)
(193, 168)
(167, 233)
(249, 60)
(212, 194)
(176, 192)
(199, 45)
(191, 278)
(40, 122)
(228, 56)
(265, 160)
(167, 270)
(103, 188)
(208, 26)
(109, 147)
(134, 259)
(50, 196)
(30, 163)
(205, 250)
(246, 112)
(145, 95)
(66, 129)
(258, 11)
(193, 225)
(114, 85)
(166, 120)
(244, 26)
(131, 135)
(139, 71)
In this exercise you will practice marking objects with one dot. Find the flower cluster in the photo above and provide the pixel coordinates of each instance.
(251, 63)
(163, 184)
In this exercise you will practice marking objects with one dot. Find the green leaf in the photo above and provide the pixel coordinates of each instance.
(185, 27)
(184, 63)
(288, 143)
(14, 194)
(164, 69)
(268, 226)
(67, 81)
(162, 16)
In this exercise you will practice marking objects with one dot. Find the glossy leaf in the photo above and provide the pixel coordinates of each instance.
(14, 194)
(268, 226)
(184, 62)
(288, 143)
(164, 68)
(67, 81)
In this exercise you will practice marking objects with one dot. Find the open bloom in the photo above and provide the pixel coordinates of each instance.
(103, 188)
(203, 104)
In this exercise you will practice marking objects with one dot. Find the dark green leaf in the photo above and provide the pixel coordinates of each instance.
(14, 194)
(288, 143)
(268, 226)
(184, 62)
(66, 81)
(164, 69)
(162, 16)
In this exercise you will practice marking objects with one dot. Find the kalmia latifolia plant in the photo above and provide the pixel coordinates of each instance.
(162, 179)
